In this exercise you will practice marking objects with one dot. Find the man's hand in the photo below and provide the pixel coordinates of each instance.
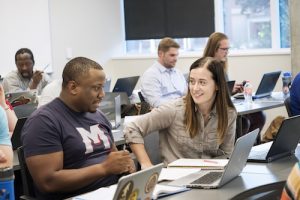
(118, 162)
(36, 78)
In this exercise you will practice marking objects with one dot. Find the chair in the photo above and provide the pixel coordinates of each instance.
(270, 191)
(27, 182)
(142, 99)
(287, 103)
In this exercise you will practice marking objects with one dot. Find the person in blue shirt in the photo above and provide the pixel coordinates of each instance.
(295, 95)
(6, 153)
(162, 81)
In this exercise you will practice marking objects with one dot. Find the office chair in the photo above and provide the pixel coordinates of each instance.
(142, 99)
(287, 103)
(27, 182)
(270, 191)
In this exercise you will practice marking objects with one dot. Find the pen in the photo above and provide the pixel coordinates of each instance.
(46, 66)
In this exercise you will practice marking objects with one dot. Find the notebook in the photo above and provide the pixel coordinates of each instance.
(208, 179)
(199, 163)
(266, 86)
(139, 185)
(126, 85)
(16, 137)
(283, 145)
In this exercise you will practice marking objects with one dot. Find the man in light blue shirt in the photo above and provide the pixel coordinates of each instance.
(162, 82)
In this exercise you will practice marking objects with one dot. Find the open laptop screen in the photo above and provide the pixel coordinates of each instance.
(126, 85)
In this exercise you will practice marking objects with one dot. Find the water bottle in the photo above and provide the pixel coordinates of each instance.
(248, 93)
(286, 82)
(7, 184)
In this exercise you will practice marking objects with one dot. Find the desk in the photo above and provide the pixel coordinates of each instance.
(274, 101)
(253, 175)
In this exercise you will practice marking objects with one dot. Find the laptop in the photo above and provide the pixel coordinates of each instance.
(208, 179)
(230, 86)
(265, 87)
(22, 97)
(111, 107)
(126, 85)
(284, 144)
(106, 87)
(16, 137)
(139, 185)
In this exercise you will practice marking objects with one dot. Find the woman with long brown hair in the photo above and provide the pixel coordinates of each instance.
(200, 125)
(218, 47)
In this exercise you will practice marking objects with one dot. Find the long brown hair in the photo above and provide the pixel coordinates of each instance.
(222, 100)
(213, 44)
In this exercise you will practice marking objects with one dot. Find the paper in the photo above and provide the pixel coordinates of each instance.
(201, 163)
(106, 193)
(170, 174)
(166, 190)
(128, 119)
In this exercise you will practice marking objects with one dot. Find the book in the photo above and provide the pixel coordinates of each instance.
(200, 163)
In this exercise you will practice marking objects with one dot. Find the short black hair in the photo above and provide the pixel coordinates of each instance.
(78, 67)
(24, 50)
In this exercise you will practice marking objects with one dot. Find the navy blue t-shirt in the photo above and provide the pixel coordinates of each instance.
(84, 138)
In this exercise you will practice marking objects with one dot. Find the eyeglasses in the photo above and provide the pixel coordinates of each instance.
(224, 49)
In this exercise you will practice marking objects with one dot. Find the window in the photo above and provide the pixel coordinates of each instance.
(250, 24)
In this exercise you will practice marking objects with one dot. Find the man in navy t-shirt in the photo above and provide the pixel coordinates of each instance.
(68, 144)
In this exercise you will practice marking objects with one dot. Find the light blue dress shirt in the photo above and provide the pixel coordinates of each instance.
(160, 84)
(4, 134)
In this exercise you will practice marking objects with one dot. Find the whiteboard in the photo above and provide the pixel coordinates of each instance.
(24, 24)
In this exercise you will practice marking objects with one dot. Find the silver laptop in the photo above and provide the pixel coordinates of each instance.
(216, 178)
(116, 122)
(22, 97)
(284, 144)
(139, 185)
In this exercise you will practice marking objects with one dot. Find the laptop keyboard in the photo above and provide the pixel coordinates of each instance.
(208, 178)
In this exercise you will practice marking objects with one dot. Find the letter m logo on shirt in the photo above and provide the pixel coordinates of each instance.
(93, 138)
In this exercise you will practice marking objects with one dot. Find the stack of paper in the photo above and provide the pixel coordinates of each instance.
(200, 163)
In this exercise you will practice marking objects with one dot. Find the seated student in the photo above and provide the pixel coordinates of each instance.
(200, 125)
(295, 95)
(24, 78)
(6, 153)
(162, 82)
(218, 47)
(10, 114)
(68, 143)
(291, 190)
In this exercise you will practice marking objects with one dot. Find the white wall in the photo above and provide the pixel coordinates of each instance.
(24, 24)
(91, 28)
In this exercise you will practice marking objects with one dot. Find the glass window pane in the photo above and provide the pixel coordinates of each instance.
(248, 23)
(284, 24)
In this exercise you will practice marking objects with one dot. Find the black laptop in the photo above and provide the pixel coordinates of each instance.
(230, 86)
(283, 145)
(266, 86)
(16, 137)
(126, 84)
